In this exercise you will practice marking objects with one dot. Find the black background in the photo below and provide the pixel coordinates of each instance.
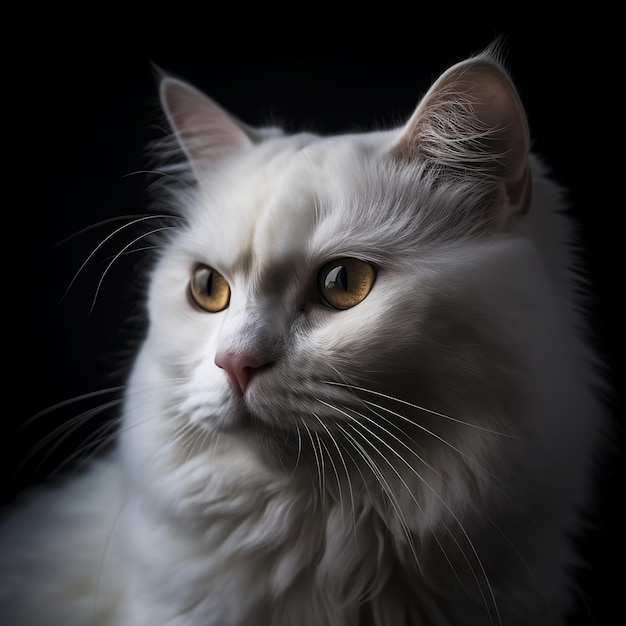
(82, 105)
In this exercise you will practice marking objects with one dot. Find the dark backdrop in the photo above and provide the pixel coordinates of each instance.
(83, 106)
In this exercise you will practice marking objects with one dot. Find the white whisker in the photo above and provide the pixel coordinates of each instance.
(74, 400)
(103, 242)
(61, 433)
(432, 490)
(299, 446)
(117, 256)
(336, 473)
(322, 466)
(471, 460)
(420, 408)
(118, 218)
(398, 440)
(317, 461)
(343, 462)
(351, 421)
(98, 439)
(391, 498)
(299, 455)
(423, 429)
(160, 173)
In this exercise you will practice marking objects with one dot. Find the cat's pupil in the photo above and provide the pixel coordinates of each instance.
(208, 281)
(208, 285)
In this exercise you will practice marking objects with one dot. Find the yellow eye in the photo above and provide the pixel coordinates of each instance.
(209, 289)
(345, 282)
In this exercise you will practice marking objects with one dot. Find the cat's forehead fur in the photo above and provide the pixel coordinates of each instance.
(293, 197)
(302, 200)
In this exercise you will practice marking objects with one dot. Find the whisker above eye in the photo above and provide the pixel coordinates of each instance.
(103, 242)
(117, 256)
(133, 251)
(140, 217)
(160, 173)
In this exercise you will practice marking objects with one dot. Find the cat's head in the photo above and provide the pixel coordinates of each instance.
(341, 294)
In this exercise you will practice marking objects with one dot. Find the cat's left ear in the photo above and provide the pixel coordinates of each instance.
(205, 131)
(471, 121)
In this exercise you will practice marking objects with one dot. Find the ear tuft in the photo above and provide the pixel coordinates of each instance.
(471, 121)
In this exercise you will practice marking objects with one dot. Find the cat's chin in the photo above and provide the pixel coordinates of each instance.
(237, 420)
(241, 420)
(280, 447)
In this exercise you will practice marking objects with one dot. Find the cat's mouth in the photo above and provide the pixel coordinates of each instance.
(288, 412)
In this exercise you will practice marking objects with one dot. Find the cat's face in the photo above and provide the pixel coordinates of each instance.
(338, 292)
(306, 275)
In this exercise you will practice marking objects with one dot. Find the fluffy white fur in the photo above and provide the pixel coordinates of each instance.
(420, 458)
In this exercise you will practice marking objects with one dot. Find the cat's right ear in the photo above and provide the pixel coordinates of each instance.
(205, 131)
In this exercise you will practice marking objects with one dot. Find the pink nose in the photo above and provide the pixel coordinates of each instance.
(239, 366)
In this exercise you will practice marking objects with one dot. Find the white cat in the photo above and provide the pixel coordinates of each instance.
(365, 395)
